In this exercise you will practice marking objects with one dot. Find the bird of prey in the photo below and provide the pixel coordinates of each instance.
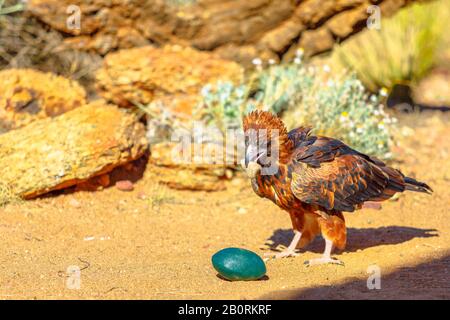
(315, 179)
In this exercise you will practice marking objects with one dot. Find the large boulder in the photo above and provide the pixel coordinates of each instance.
(240, 30)
(166, 166)
(28, 95)
(59, 152)
(145, 74)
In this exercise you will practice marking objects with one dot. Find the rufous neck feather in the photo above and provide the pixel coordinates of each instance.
(264, 120)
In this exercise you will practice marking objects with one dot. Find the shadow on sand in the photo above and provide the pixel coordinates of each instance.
(133, 172)
(356, 238)
(429, 280)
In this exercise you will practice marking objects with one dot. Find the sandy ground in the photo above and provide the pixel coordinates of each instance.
(159, 246)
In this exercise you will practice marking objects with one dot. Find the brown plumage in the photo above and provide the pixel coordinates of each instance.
(317, 178)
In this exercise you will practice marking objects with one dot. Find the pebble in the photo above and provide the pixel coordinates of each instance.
(125, 185)
(74, 203)
(236, 264)
(142, 196)
(242, 210)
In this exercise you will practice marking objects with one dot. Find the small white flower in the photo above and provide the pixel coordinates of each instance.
(297, 60)
(299, 52)
(359, 130)
(205, 90)
(257, 61)
(394, 120)
(271, 61)
(383, 92)
(330, 83)
(376, 112)
(381, 126)
(326, 68)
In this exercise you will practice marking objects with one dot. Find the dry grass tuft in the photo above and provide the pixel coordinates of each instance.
(406, 47)
(28, 43)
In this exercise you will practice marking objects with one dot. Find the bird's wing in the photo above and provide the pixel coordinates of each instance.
(328, 173)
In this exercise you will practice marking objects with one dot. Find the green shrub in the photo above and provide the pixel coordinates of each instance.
(341, 108)
(335, 106)
(280, 87)
(224, 104)
(402, 51)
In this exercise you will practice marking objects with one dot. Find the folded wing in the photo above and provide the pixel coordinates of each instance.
(328, 173)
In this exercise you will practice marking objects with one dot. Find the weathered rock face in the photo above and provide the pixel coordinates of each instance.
(192, 175)
(59, 152)
(145, 74)
(28, 95)
(240, 30)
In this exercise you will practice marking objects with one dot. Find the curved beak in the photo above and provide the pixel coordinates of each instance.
(252, 155)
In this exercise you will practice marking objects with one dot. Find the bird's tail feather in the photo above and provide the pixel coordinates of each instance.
(414, 185)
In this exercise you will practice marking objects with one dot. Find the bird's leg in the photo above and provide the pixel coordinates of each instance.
(326, 257)
(290, 250)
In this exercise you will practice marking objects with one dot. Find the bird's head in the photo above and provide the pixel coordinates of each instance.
(266, 141)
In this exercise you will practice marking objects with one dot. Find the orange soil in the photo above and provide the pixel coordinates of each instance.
(159, 246)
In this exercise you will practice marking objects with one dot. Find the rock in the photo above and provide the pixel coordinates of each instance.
(187, 178)
(74, 203)
(59, 152)
(433, 90)
(316, 41)
(314, 13)
(234, 29)
(95, 183)
(242, 210)
(142, 75)
(164, 166)
(125, 185)
(142, 196)
(28, 95)
(238, 264)
(345, 23)
(279, 39)
(245, 54)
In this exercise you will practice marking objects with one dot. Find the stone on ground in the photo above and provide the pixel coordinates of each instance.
(59, 152)
(28, 95)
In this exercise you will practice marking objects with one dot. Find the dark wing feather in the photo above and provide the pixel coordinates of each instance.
(328, 173)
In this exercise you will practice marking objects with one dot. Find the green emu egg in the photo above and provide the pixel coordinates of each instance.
(238, 264)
